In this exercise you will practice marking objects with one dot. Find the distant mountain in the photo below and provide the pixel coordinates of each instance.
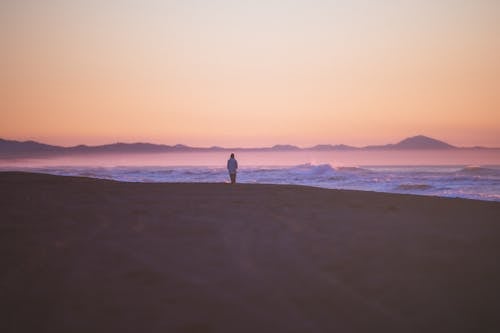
(331, 147)
(422, 142)
(284, 147)
(414, 143)
(26, 147)
(11, 148)
(14, 149)
(119, 148)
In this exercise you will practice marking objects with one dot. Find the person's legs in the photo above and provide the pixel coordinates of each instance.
(233, 177)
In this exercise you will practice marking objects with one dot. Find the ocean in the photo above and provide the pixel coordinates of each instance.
(337, 170)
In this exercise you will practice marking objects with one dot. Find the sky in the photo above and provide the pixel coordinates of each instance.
(250, 73)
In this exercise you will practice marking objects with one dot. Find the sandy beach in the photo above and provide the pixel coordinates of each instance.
(89, 255)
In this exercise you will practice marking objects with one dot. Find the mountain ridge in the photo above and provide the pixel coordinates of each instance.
(13, 148)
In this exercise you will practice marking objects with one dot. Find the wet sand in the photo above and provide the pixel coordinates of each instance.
(88, 255)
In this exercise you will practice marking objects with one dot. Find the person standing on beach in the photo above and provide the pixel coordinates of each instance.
(232, 166)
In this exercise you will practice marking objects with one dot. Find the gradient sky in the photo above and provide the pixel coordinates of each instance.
(250, 73)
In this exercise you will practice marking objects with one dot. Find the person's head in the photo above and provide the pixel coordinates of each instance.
(232, 155)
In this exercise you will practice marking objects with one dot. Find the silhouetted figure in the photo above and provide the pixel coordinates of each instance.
(232, 166)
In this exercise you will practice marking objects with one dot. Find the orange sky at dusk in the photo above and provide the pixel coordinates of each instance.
(256, 73)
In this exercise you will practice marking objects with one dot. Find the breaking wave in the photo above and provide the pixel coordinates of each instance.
(309, 169)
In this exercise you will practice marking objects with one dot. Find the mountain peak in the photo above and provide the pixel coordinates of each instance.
(422, 142)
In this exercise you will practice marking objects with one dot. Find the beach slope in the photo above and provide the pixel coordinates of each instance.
(89, 255)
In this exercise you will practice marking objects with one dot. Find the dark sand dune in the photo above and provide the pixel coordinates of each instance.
(86, 255)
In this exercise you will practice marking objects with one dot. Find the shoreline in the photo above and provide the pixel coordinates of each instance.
(401, 189)
(86, 254)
